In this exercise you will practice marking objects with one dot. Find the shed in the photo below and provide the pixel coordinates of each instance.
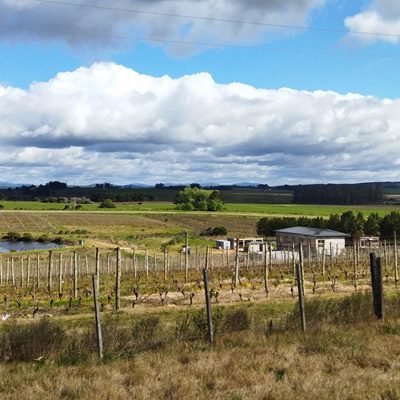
(223, 244)
(314, 240)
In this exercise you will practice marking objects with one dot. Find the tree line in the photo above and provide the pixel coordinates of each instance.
(356, 225)
(345, 194)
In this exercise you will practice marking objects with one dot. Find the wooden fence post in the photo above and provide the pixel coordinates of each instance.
(118, 280)
(377, 285)
(60, 275)
(49, 272)
(186, 257)
(97, 269)
(301, 297)
(266, 271)
(208, 308)
(99, 335)
(236, 282)
(75, 275)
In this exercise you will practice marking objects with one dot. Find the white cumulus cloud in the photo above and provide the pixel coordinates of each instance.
(108, 122)
(381, 19)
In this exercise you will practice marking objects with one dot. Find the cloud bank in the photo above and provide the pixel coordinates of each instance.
(383, 16)
(110, 123)
(91, 26)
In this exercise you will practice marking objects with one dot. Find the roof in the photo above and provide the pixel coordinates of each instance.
(315, 232)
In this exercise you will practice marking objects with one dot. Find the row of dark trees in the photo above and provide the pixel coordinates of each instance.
(354, 224)
(351, 194)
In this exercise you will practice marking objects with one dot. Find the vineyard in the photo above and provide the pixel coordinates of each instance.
(152, 311)
(60, 282)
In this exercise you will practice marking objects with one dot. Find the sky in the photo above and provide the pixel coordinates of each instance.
(208, 91)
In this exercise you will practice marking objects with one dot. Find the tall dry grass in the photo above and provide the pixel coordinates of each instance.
(346, 354)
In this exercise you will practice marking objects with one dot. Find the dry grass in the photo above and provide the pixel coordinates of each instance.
(355, 358)
(244, 365)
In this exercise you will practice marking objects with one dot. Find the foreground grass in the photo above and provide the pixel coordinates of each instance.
(355, 363)
(345, 354)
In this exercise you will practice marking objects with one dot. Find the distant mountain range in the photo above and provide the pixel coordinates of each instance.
(387, 184)
(6, 185)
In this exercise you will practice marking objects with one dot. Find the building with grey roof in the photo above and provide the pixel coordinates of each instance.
(315, 241)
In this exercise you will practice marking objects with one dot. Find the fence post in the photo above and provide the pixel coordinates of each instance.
(97, 269)
(377, 285)
(266, 271)
(75, 277)
(60, 275)
(50, 272)
(97, 313)
(186, 257)
(301, 297)
(208, 308)
(237, 264)
(118, 280)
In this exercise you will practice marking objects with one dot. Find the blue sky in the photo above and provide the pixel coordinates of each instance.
(313, 100)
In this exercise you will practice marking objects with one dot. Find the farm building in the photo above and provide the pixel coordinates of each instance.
(223, 244)
(250, 244)
(314, 240)
(364, 242)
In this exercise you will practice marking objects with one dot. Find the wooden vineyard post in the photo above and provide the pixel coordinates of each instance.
(28, 270)
(49, 272)
(1, 271)
(165, 264)
(323, 261)
(236, 283)
(146, 263)
(186, 256)
(118, 280)
(266, 271)
(301, 297)
(396, 270)
(301, 262)
(134, 264)
(60, 275)
(97, 269)
(75, 275)
(21, 260)
(377, 285)
(208, 307)
(12, 272)
(37, 271)
(293, 261)
(99, 335)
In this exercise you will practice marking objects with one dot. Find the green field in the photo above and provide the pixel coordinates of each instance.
(230, 208)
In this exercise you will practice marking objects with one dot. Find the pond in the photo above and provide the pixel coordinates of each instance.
(26, 246)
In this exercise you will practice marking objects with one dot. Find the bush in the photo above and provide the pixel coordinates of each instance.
(12, 236)
(27, 237)
(27, 342)
(107, 203)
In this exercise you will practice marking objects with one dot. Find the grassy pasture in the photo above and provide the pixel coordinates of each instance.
(230, 208)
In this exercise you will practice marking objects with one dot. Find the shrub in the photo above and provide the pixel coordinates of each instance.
(27, 237)
(27, 342)
(107, 203)
(12, 236)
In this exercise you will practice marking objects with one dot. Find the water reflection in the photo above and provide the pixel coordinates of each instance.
(26, 246)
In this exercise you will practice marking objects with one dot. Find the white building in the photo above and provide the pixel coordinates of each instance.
(314, 240)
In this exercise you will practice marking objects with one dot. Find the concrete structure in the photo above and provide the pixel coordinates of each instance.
(316, 240)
